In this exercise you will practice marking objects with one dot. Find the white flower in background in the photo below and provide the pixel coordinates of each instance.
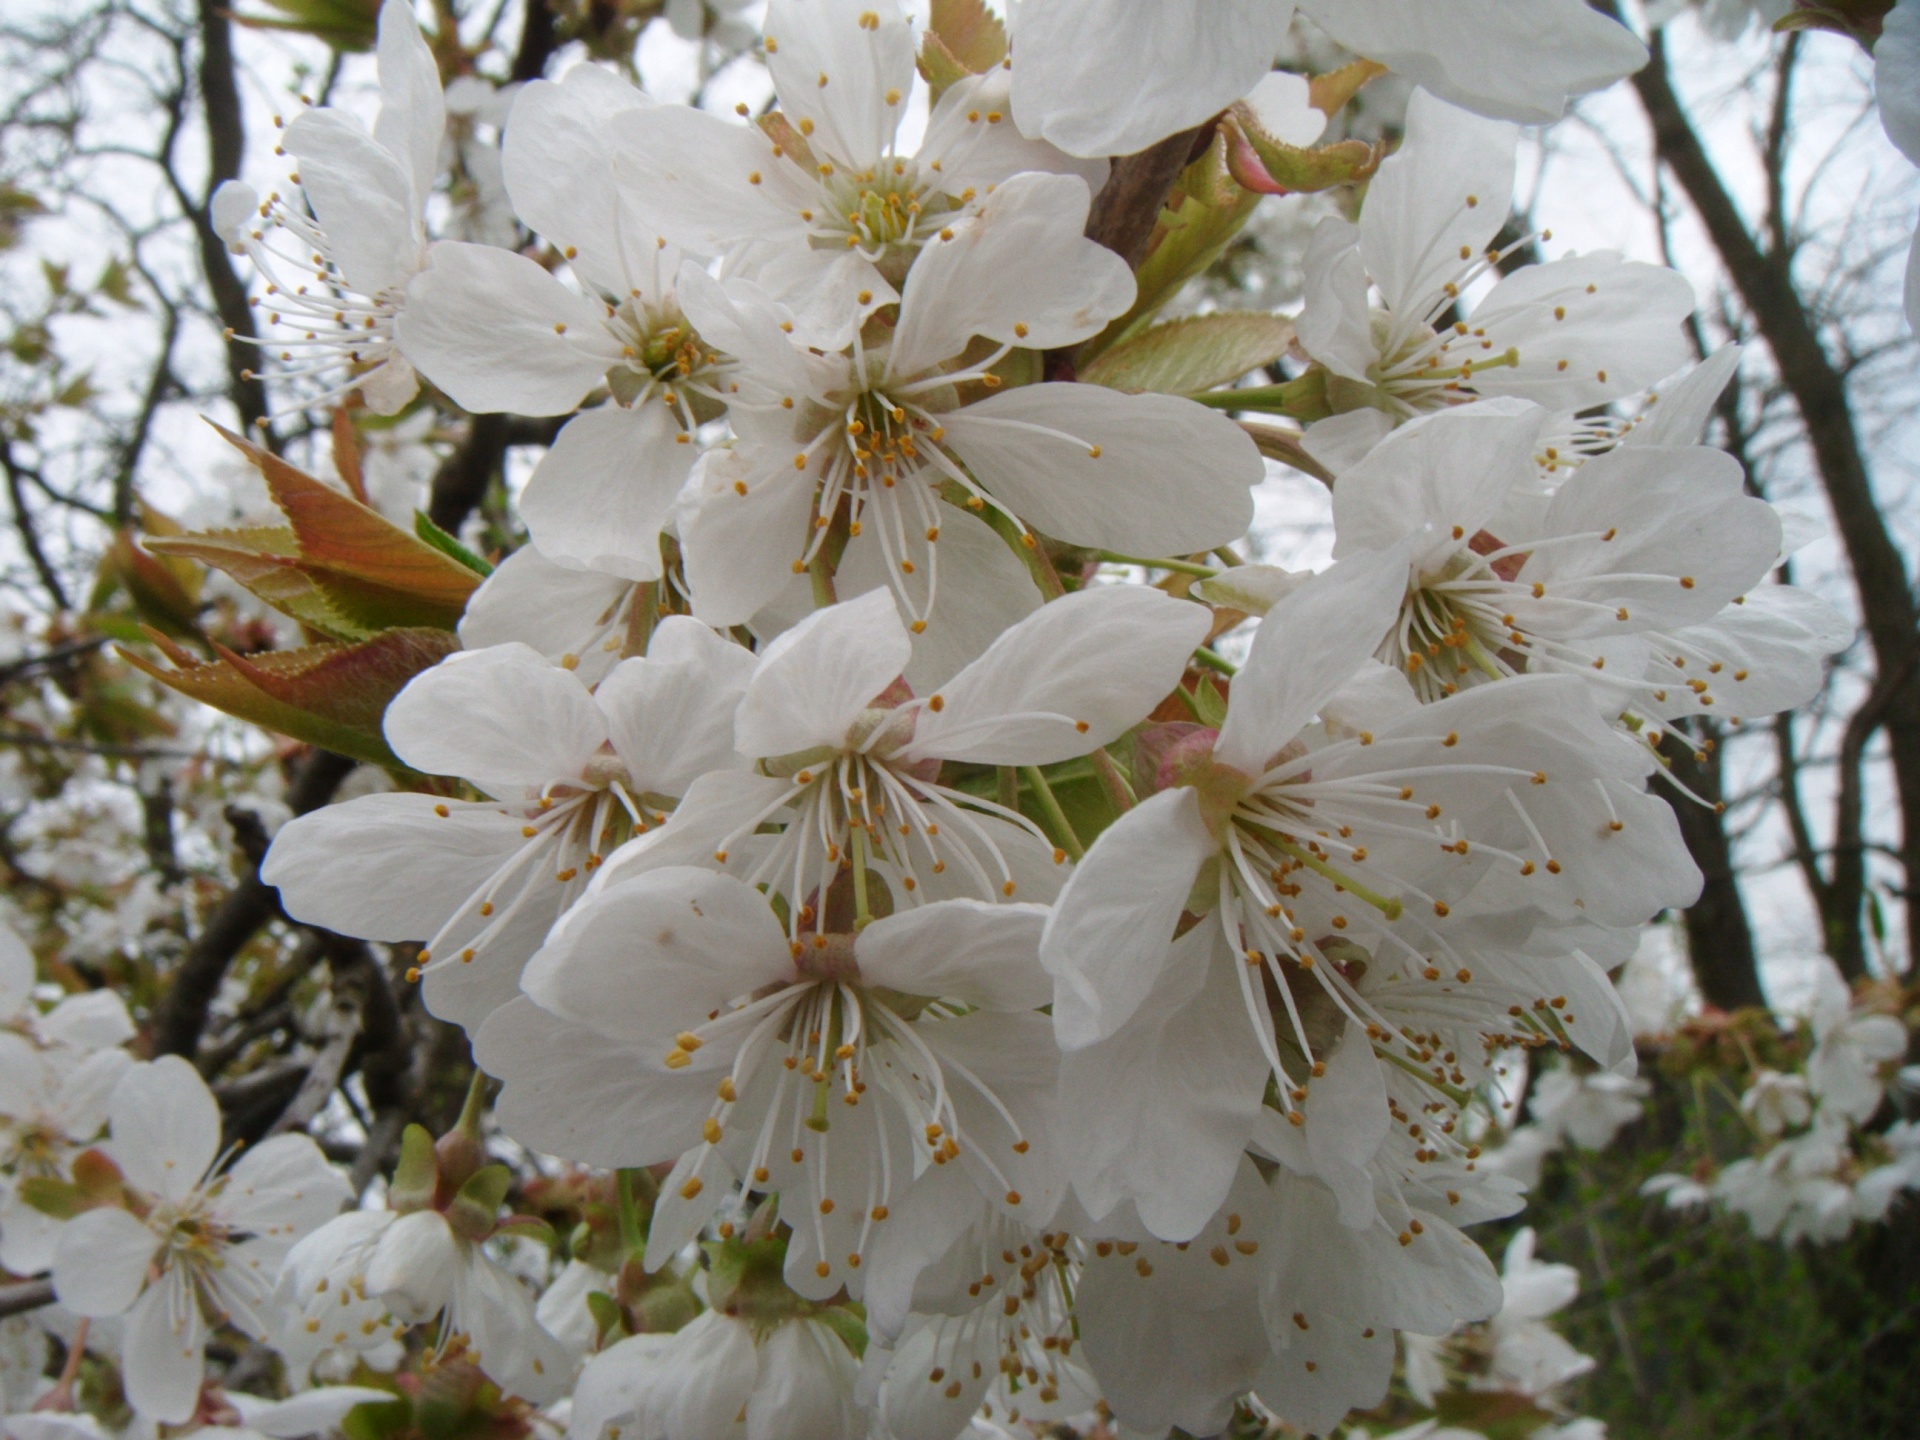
(849, 761)
(1798, 1189)
(573, 774)
(1777, 1103)
(1528, 1355)
(205, 1242)
(341, 278)
(1588, 1109)
(1330, 857)
(1109, 77)
(498, 332)
(479, 210)
(722, 1377)
(881, 434)
(834, 1067)
(1569, 334)
(824, 199)
(352, 1278)
(1854, 1049)
(57, 1072)
(398, 465)
(1724, 19)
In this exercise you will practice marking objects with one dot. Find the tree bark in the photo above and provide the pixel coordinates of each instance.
(1719, 939)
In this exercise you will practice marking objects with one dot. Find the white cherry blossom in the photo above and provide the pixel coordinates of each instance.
(1568, 334)
(573, 773)
(341, 275)
(877, 438)
(206, 1242)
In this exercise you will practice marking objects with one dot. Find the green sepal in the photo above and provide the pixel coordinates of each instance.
(609, 1320)
(529, 1227)
(60, 1199)
(429, 533)
(851, 1328)
(417, 1175)
(1209, 705)
(475, 1209)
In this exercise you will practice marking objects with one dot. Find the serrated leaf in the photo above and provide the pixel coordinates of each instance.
(376, 575)
(1330, 93)
(266, 560)
(1198, 352)
(155, 591)
(1270, 166)
(330, 695)
(431, 534)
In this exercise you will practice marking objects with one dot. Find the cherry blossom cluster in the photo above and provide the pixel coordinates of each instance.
(1818, 1168)
(849, 821)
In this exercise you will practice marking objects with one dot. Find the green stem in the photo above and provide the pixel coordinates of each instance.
(1212, 660)
(1179, 567)
(1069, 841)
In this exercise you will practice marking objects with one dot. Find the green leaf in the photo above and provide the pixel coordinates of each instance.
(609, 1320)
(432, 534)
(330, 695)
(343, 24)
(157, 594)
(1270, 166)
(1198, 352)
(417, 1175)
(338, 565)
(1208, 703)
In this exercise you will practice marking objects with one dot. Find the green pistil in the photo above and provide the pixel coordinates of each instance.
(1386, 905)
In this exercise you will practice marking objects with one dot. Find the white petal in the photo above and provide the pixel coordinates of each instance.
(687, 172)
(805, 1386)
(1346, 1120)
(505, 718)
(1336, 323)
(362, 197)
(600, 497)
(166, 1127)
(557, 162)
(497, 332)
(1678, 415)
(1019, 272)
(1074, 675)
(1437, 202)
(415, 1265)
(670, 715)
(317, 1412)
(986, 955)
(812, 683)
(1586, 330)
(841, 76)
(100, 1263)
(1896, 78)
(745, 534)
(162, 1352)
(1113, 76)
(1141, 474)
(557, 611)
(713, 1380)
(572, 1092)
(1307, 647)
(976, 147)
(983, 587)
(283, 1187)
(91, 1021)
(412, 109)
(1110, 936)
(1188, 1073)
(1517, 59)
(1686, 539)
(388, 867)
(657, 953)
(1438, 480)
